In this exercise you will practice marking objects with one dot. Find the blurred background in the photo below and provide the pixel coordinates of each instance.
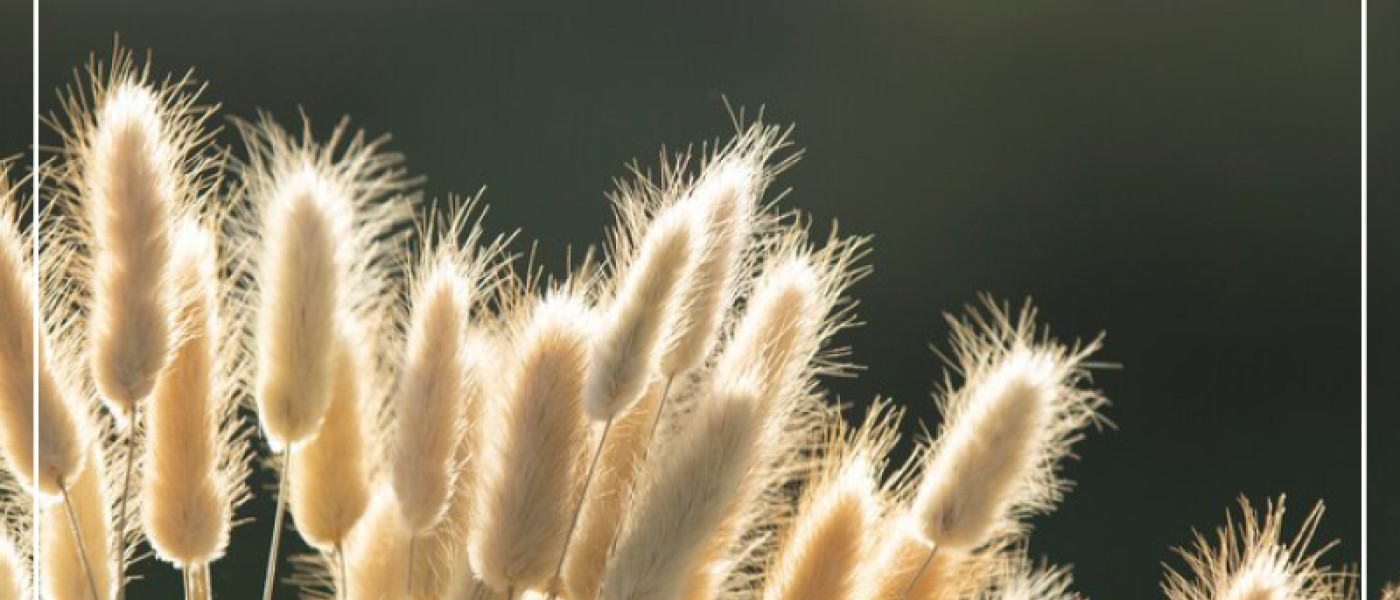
(1181, 175)
(17, 93)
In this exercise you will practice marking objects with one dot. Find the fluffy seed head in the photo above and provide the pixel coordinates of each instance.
(1252, 561)
(689, 500)
(973, 478)
(606, 503)
(433, 396)
(330, 487)
(628, 347)
(534, 444)
(375, 558)
(329, 244)
(834, 531)
(795, 308)
(1020, 579)
(1004, 432)
(60, 566)
(60, 453)
(131, 188)
(300, 279)
(185, 506)
(725, 199)
(899, 556)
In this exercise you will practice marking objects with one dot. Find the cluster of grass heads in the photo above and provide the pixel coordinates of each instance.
(449, 422)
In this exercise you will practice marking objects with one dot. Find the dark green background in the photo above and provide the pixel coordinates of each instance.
(1182, 174)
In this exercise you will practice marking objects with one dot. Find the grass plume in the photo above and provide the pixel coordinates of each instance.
(531, 462)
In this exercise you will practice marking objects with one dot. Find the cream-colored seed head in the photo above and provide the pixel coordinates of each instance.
(606, 504)
(780, 330)
(534, 443)
(375, 551)
(633, 335)
(724, 198)
(431, 402)
(1005, 430)
(186, 509)
(60, 566)
(330, 487)
(993, 448)
(131, 187)
(300, 279)
(1020, 579)
(688, 501)
(900, 557)
(60, 445)
(835, 533)
(1252, 560)
(829, 541)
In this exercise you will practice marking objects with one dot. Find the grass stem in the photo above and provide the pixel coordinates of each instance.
(932, 552)
(578, 509)
(78, 539)
(277, 525)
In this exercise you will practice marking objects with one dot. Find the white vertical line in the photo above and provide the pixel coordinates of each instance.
(1364, 378)
(34, 240)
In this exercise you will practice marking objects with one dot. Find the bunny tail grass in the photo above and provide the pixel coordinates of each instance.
(186, 506)
(629, 344)
(836, 519)
(1252, 560)
(59, 444)
(633, 334)
(795, 308)
(300, 300)
(689, 499)
(329, 480)
(429, 406)
(903, 567)
(374, 558)
(1020, 579)
(725, 196)
(533, 444)
(605, 506)
(1019, 410)
(75, 549)
(328, 242)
